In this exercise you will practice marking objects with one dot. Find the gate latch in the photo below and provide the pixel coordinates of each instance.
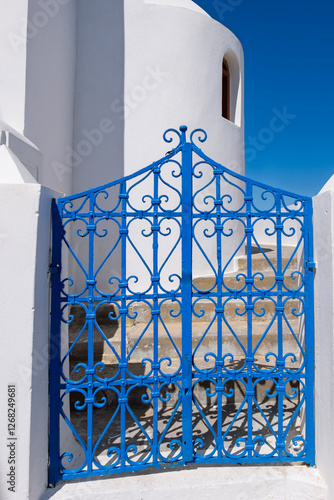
(310, 265)
(54, 269)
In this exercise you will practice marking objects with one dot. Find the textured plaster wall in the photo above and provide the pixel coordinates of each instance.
(51, 65)
(177, 52)
(13, 42)
(37, 52)
(98, 139)
(173, 77)
(142, 68)
(24, 240)
(323, 222)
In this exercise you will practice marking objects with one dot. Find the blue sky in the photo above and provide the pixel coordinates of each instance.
(289, 68)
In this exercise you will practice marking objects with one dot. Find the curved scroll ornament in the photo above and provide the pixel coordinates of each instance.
(198, 134)
(168, 137)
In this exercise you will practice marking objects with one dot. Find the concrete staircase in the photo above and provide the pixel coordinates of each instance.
(140, 342)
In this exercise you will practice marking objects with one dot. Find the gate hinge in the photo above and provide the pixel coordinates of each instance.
(54, 269)
(310, 265)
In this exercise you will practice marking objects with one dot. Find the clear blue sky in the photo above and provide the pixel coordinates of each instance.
(289, 62)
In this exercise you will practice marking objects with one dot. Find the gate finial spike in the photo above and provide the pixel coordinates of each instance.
(183, 130)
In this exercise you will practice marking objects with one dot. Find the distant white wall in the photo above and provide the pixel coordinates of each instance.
(98, 139)
(50, 79)
(323, 223)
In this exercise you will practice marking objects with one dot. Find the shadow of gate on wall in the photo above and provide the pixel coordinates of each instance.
(182, 306)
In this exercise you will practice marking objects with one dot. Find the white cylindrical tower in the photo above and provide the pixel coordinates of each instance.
(174, 56)
(178, 63)
(164, 63)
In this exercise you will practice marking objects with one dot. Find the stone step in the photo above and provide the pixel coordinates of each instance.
(232, 283)
(203, 391)
(170, 348)
(140, 343)
(204, 311)
(264, 279)
(260, 262)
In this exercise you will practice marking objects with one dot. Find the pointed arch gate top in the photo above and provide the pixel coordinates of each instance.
(181, 321)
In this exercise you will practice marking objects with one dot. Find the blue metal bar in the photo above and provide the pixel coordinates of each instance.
(90, 318)
(309, 333)
(123, 315)
(55, 346)
(249, 308)
(156, 307)
(280, 387)
(186, 289)
(219, 314)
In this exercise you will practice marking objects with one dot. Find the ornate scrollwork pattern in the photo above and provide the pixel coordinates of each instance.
(185, 300)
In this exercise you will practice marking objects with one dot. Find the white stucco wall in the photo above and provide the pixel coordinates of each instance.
(142, 68)
(50, 79)
(98, 140)
(173, 76)
(24, 242)
(139, 77)
(13, 41)
(37, 52)
(136, 76)
(21, 148)
(323, 205)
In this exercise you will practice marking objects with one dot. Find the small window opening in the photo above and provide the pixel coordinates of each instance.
(226, 105)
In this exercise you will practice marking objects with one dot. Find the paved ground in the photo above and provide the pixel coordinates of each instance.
(200, 483)
(211, 423)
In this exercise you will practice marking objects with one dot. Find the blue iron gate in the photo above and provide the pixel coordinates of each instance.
(182, 315)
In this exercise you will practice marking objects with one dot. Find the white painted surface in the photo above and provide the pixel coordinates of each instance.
(24, 243)
(12, 170)
(98, 139)
(13, 41)
(173, 74)
(202, 483)
(185, 4)
(37, 53)
(139, 72)
(49, 97)
(24, 150)
(323, 205)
